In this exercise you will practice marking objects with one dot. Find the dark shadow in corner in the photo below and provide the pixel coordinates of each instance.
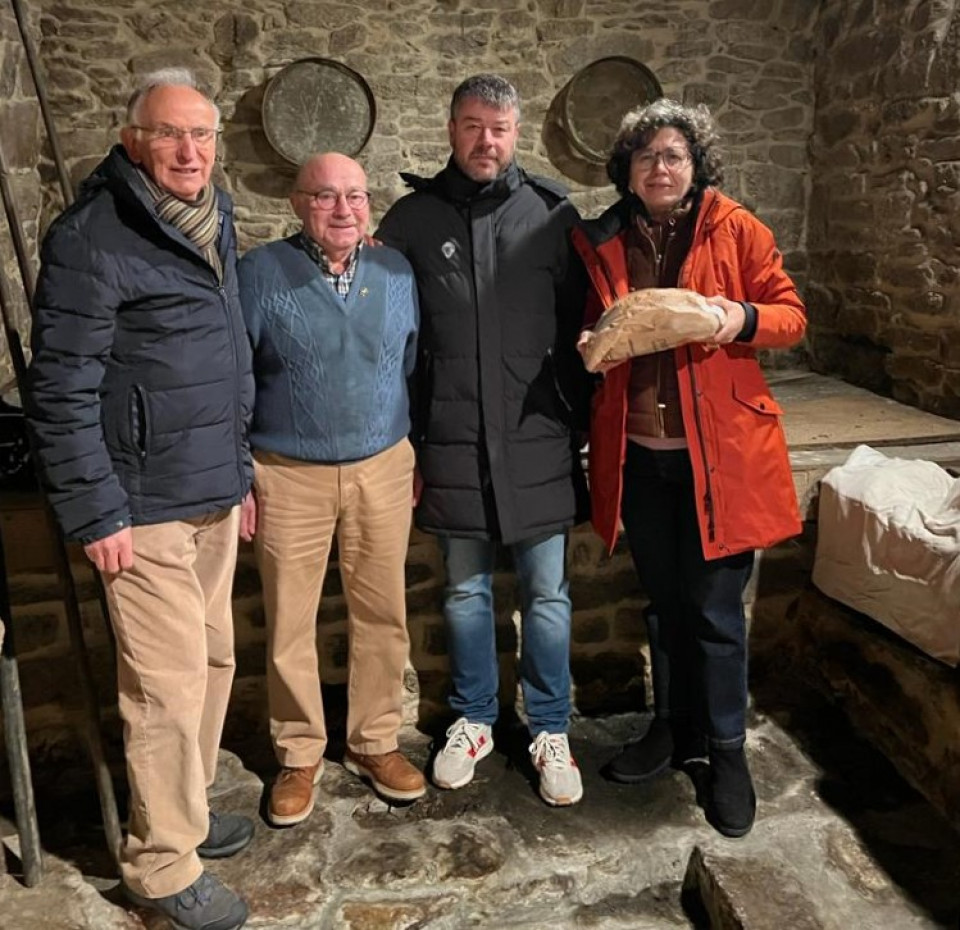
(908, 839)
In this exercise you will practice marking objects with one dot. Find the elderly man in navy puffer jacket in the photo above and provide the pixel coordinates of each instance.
(139, 395)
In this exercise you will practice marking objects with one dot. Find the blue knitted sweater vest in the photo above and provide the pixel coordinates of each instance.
(331, 374)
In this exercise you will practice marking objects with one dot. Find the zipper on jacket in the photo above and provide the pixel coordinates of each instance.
(660, 254)
(659, 258)
(552, 362)
(237, 409)
(139, 426)
(659, 406)
(708, 494)
(424, 383)
(683, 280)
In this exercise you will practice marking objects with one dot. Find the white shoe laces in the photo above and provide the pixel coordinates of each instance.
(550, 750)
(464, 735)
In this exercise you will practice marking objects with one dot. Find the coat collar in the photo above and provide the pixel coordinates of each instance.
(453, 184)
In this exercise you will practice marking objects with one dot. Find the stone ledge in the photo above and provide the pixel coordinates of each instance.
(904, 702)
(745, 893)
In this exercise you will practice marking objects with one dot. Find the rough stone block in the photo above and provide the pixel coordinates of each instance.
(346, 38)
(629, 625)
(434, 641)
(37, 630)
(903, 701)
(746, 893)
(592, 629)
(22, 140)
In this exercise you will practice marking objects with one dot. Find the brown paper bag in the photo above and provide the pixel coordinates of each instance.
(650, 320)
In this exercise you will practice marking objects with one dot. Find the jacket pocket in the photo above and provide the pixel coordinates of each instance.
(758, 398)
(564, 406)
(139, 419)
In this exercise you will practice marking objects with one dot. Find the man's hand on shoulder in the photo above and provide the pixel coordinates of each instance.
(112, 554)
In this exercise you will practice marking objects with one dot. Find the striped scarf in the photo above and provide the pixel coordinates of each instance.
(198, 221)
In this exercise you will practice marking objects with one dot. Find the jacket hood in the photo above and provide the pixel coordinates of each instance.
(714, 208)
(452, 184)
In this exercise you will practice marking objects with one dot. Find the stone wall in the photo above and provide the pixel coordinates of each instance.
(21, 139)
(884, 224)
(749, 60)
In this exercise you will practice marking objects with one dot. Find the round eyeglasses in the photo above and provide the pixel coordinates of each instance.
(672, 159)
(327, 199)
(171, 135)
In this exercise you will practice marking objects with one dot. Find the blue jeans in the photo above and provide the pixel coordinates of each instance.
(695, 622)
(540, 565)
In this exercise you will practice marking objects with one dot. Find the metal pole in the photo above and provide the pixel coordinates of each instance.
(88, 694)
(10, 696)
(16, 739)
(40, 85)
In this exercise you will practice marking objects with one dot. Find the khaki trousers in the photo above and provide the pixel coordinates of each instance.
(300, 507)
(171, 614)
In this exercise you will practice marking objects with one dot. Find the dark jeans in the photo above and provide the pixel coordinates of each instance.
(695, 621)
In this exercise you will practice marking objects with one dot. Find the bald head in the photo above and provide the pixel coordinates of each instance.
(330, 198)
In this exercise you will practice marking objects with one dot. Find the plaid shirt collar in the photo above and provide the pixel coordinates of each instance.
(339, 282)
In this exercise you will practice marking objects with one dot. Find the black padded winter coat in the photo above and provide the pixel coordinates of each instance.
(499, 390)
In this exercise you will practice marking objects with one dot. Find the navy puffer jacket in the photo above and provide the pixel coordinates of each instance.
(140, 388)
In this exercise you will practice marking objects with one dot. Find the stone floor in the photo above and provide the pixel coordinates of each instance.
(841, 843)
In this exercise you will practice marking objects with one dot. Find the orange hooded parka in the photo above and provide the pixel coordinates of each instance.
(742, 475)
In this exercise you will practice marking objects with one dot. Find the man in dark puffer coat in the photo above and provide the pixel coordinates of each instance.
(139, 395)
(494, 411)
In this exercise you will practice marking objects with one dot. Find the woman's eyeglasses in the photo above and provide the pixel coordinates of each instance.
(671, 158)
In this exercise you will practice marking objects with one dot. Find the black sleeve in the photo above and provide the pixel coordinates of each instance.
(575, 381)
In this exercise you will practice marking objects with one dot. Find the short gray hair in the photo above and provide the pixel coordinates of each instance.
(493, 90)
(164, 77)
(640, 125)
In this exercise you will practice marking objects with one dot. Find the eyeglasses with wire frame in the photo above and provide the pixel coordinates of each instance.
(327, 199)
(672, 159)
(173, 135)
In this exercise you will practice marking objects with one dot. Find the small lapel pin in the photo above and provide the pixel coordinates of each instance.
(364, 292)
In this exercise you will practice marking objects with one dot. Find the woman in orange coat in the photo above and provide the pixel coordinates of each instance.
(686, 445)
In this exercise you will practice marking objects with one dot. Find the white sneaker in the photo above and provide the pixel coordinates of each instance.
(560, 783)
(467, 744)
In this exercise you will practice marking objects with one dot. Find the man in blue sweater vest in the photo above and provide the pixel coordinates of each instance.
(333, 326)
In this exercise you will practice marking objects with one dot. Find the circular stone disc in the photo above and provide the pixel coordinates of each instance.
(317, 105)
(597, 98)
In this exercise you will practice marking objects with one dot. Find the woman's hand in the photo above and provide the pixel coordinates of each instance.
(734, 319)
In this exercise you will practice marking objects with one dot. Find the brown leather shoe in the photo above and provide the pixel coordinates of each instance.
(391, 774)
(291, 797)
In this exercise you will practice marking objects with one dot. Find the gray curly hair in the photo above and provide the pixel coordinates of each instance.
(640, 125)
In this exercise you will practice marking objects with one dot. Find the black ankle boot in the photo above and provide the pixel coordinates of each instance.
(689, 747)
(732, 804)
(645, 758)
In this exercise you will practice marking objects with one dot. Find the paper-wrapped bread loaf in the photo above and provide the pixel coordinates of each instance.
(650, 320)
